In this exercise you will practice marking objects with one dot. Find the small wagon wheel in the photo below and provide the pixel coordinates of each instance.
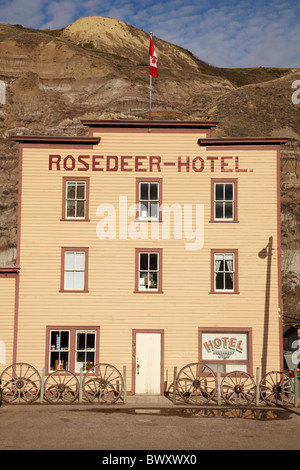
(21, 383)
(238, 388)
(103, 382)
(196, 383)
(276, 388)
(61, 387)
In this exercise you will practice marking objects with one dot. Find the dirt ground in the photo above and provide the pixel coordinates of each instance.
(94, 427)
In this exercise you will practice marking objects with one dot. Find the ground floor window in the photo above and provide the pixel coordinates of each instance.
(226, 350)
(72, 348)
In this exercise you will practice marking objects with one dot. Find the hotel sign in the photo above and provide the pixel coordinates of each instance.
(144, 163)
(218, 346)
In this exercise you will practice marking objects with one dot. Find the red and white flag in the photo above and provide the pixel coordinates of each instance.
(153, 60)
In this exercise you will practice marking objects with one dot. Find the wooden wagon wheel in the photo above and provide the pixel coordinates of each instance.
(276, 388)
(238, 388)
(196, 383)
(103, 382)
(21, 383)
(61, 387)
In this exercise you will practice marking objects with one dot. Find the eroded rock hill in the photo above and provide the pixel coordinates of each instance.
(98, 68)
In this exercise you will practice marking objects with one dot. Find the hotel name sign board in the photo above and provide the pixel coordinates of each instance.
(144, 163)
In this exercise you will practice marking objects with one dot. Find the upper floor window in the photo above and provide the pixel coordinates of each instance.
(75, 199)
(74, 269)
(224, 271)
(149, 199)
(148, 270)
(224, 200)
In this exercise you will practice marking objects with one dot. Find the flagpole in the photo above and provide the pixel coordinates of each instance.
(150, 91)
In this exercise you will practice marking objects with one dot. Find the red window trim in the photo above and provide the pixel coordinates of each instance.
(64, 217)
(212, 270)
(212, 200)
(148, 250)
(137, 198)
(72, 350)
(62, 270)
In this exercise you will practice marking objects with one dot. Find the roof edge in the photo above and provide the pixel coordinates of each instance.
(55, 139)
(205, 142)
(8, 270)
(148, 123)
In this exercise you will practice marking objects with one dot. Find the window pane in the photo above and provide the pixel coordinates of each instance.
(154, 210)
(64, 340)
(228, 210)
(70, 261)
(154, 192)
(80, 190)
(215, 367)
(70, 208)
(90, 356)
(143, 281)
(90, 340)
(80, 258)
(153, 261)
(69, 280)
(144, 210)
(220, 281)
(219, 210)
(228, 281)
(231, 366)
(219, 192)
(144, 192)
(80, 358)
(219, 263)
(54, 340)
(80, 341)
(79, 280)
(153, 280)
(71, 188)
(144, 261)
(229, 192)
(80, 208)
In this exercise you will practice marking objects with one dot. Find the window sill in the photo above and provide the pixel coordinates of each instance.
(225, 292)
(148, 292)
(74, 220)
(223, 221)
(74, 291)
(147, 220)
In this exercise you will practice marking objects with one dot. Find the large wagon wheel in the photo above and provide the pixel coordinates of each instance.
(196, 383)
(21, 383)
(103, 382)
(238, 388)
(276, 388)
(61, 387)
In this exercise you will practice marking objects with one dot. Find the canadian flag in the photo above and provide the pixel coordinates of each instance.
(153, 60)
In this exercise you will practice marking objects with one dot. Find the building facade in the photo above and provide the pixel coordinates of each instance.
(148, 245)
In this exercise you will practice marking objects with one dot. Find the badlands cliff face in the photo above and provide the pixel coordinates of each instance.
(98, 68)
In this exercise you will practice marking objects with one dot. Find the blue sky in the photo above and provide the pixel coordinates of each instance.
(228, 33)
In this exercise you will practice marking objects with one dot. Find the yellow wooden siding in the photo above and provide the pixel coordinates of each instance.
(186, 303)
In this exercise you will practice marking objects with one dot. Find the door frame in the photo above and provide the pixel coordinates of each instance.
(134, 333)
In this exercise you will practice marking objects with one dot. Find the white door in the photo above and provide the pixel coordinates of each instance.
(148, 363)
